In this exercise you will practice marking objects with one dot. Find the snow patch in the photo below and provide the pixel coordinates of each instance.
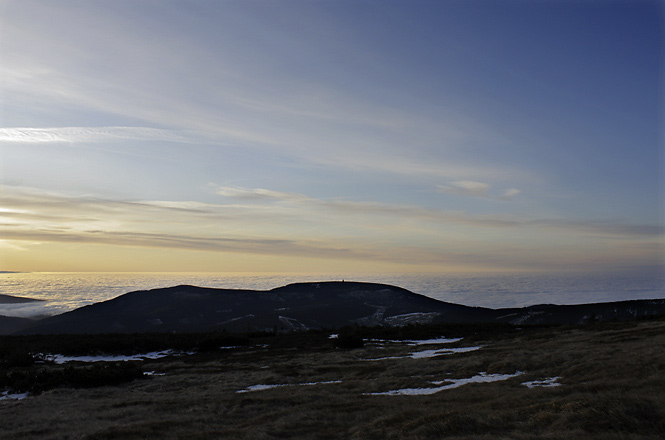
(423, 354)
(450, 384)
(411, 318)
(373, 319)
(440, 340)
(236, 319)
(6, 396)
(293, 323)
(433, 341)
(61, 359)
(432, 353)
(524, 318)
(549, 382)
(262, 387)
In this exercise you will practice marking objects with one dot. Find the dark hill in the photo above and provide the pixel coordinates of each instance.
(11, 324)
(9, 299)
(305, 306)
(293, 307)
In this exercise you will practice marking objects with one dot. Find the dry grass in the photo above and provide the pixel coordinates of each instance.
(612, 376)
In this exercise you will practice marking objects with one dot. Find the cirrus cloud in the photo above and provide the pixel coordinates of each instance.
(466, 188)
(472, 188)
(88, 134)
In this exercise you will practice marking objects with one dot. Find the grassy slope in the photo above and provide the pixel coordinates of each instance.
(612, 375)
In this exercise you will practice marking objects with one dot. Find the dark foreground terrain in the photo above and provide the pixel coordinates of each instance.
(610, 376)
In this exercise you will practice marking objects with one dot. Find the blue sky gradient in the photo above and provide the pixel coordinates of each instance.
(331, 135)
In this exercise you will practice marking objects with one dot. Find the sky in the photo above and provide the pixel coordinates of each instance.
(340, 135)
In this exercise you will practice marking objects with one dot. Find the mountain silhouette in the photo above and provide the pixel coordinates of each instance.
(304, 306)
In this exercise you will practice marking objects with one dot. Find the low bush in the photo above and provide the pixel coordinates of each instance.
(100, 374)
(16, 358)
(216, 341)
(116, 343)
(349, 341)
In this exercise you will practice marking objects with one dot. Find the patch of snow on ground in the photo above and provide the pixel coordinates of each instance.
(430, 353)
(412, 318)
(235, 319)
(261, 387)
(60, 359)
(153, 373)
(549, 382)
(6, 396)
(450, 383)
(524, 318)
(267, 387)
(294, 323)
(415, 341)
(434, 341)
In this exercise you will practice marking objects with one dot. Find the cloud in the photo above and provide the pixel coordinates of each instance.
(277, 223)
(418, 213)
(603, 228)
(88, 134)
(257, 194)
(124, 66)
(34, 207)
(510, 193)
(26, 310)
(466, 188)
(252, 245)
(476, 189)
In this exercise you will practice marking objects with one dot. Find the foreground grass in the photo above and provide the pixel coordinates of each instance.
(612, 380)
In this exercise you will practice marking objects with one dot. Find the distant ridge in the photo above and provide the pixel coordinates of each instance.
(303, 306)
(9, 299)
(10, 324)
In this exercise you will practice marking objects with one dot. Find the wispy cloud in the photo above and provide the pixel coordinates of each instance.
(276, 223)
(228, 102)
(510, 193)
(476, 189)
(258, 194)
(89, 134)
(466, 188)
(414, 212)
(308, 248)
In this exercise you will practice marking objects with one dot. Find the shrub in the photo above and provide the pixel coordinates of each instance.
(216, 341)
(349, 341)
(16, 358)
(100, 374)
